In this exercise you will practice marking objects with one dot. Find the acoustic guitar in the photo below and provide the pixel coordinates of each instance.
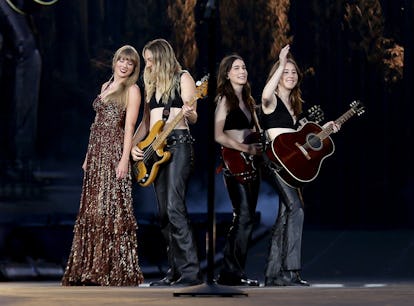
(297, 156)
(243, 166)
(145, 171)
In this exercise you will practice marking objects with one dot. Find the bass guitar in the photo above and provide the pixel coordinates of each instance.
(145, 171)
(297, 156)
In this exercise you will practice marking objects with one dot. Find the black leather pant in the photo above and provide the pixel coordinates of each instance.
(244, 201)
(171, 188)
(286, 240)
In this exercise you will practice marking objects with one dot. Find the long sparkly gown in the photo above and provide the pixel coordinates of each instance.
(104, 248)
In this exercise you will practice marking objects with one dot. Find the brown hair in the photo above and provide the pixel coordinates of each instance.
(295, 96)
(224, 87)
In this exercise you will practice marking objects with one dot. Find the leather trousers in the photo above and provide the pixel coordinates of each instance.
(244, 201)
(171, 189)
(286, 238)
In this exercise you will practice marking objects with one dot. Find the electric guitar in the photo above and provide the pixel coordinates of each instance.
(145, 171)
(243, 166)
(297, 156)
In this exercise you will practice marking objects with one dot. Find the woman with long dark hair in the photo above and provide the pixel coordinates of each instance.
(235, 122)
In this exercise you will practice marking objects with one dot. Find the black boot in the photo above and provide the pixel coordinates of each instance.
(169, 278)
(292, 278)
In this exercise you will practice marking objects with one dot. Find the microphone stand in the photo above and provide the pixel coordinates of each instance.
(210, 288)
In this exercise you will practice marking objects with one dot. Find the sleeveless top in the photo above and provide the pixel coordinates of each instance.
(279, 118)
(177, 102)
(236, 119)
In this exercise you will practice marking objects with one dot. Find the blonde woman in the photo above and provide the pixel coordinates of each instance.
(168, 86)
(104, 248)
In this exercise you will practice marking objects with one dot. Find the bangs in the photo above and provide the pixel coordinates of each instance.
(128, 55)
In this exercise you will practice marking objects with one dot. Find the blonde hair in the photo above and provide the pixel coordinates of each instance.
(164, 72)
(120, 95)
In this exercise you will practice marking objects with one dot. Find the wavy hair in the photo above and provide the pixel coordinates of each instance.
(120, 95)
(164, 73)
(224, 87)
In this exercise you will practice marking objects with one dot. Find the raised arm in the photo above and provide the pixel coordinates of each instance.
(268, 94)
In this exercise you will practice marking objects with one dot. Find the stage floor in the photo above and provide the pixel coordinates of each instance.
(347, 294)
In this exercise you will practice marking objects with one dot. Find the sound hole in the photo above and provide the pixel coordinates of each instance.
(314, 142)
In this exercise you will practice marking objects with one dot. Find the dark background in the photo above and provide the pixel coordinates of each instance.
(366, 184)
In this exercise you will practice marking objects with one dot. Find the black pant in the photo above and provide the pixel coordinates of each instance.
(286, 240)
(244, 201)
(171, 189)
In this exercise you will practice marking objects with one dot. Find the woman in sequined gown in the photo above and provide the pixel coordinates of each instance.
(104, 248)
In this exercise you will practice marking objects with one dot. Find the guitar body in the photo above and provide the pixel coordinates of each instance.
(146, 170)
(240, 164)
(298, 155)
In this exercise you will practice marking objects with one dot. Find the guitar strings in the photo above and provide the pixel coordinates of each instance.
(150, 149)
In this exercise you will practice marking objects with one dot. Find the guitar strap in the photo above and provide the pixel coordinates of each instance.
(166, 111)
(264, 138)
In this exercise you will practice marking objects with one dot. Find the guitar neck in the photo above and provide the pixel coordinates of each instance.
(341, 120)
(201, 91)
(168, 128)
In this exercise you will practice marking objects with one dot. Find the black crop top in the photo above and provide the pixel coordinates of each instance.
(236, 120)
(177, 102)
(279, 118)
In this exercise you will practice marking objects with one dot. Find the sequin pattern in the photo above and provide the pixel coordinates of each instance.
(104, 248)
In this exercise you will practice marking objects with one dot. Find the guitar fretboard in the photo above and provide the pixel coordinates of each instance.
(356, 108)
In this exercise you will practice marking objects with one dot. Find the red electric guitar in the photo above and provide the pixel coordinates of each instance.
(243, 166)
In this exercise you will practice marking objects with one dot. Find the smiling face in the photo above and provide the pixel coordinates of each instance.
(124, 67)
(238, 72)
(289, 77)
(125, 63)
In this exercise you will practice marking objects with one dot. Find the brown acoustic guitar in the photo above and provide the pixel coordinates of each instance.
(297, 156)
(145, 171)
(243, 166)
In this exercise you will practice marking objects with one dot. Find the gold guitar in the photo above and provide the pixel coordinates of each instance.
(146, 170)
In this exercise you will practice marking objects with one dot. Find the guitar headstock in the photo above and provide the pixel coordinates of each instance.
(202, 86)
(315, 114)
(357, 107)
